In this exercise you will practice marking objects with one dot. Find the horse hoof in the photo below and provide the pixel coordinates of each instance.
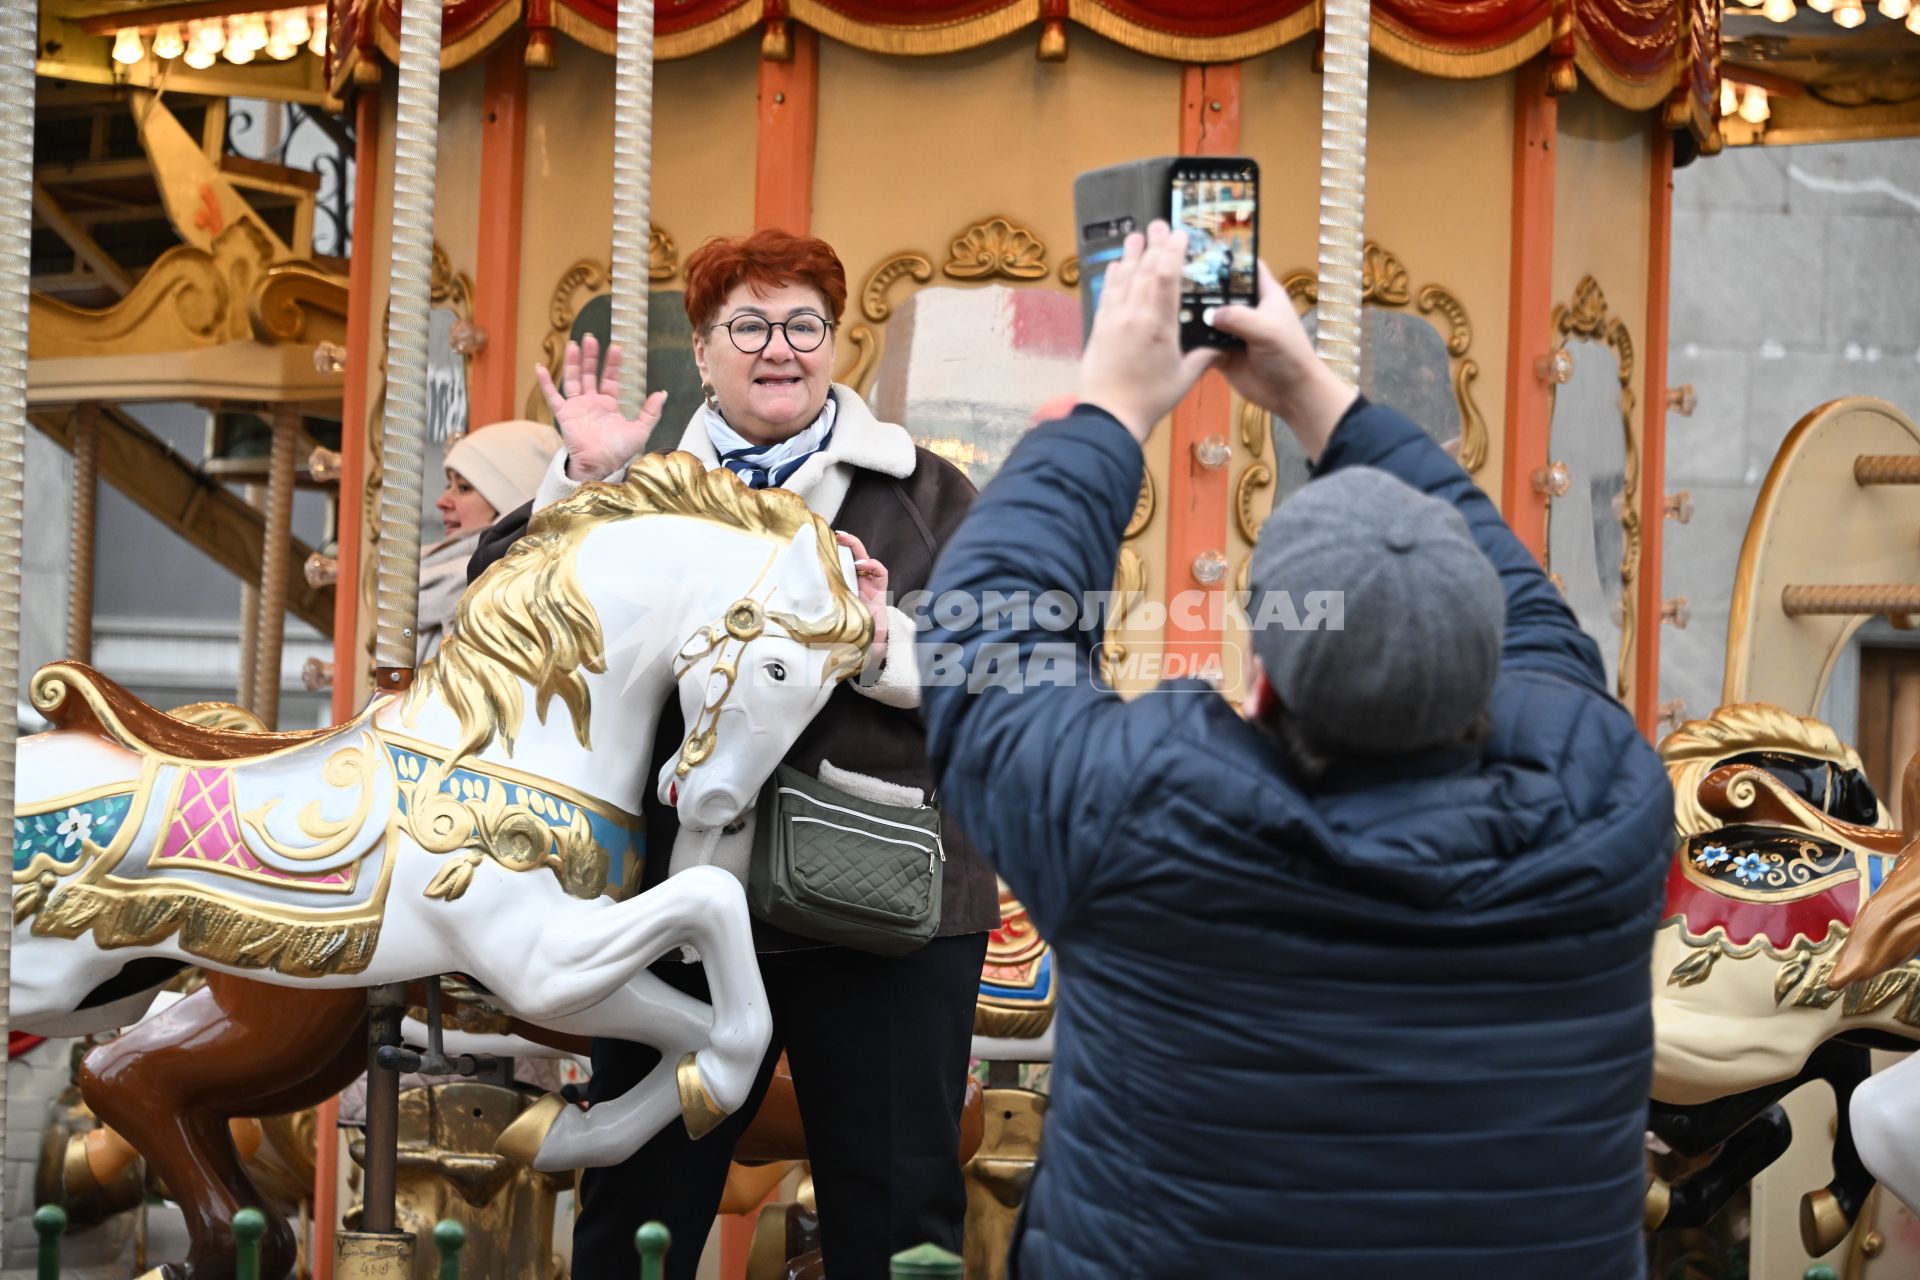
(1823, 1223)
(521, 1141)
(1659, 1200)
(701, 1114)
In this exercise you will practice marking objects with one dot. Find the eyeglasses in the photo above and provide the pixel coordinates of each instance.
(751, 333)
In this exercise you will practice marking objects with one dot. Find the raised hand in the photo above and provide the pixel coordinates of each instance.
(871, 577)
(586, 408)
(1133, 366)
(1279, 370)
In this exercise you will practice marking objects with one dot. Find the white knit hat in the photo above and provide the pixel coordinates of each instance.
(505, 461)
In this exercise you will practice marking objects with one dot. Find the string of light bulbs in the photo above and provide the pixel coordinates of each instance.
(1847, 13)
(240, 39)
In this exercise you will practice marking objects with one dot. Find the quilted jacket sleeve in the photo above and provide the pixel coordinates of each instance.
(1036, 761)
(1542, 634)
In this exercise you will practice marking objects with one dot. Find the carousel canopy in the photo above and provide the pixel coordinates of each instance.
(1639, 54)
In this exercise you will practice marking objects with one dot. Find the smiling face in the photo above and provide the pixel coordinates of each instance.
(461, 508)
(775, 393)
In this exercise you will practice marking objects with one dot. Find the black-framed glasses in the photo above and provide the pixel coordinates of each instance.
(751, 334)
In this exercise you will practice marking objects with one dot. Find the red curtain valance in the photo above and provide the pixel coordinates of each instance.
(1638, 53)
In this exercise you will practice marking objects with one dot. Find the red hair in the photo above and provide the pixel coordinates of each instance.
(767, 260)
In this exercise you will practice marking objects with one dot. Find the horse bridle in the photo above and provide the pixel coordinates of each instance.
(744, 621)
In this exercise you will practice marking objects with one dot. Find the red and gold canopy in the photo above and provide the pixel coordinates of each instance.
(1639, 53)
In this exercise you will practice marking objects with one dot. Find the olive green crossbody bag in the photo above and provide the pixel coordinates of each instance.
(838, 868)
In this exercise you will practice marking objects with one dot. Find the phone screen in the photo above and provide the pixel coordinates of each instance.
(1217, 215)
(1218, 209)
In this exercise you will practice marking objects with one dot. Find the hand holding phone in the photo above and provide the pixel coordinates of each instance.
(1214, 199)
(1216, 202)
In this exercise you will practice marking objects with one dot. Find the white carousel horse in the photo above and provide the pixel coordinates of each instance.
(433, 834)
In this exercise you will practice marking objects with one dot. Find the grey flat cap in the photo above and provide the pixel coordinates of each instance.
(1401, 652)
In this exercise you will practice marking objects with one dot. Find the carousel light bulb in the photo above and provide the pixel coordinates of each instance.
(199, 59)
(1820, 6)
(1729, 98)
(126, 47)
(279, 48)
(294, 23)
(239, 54)
(252, 33)
(209, 37)
(318, 45)
(1780, 10)
(1849, 13)
(1753, 108)
(1896, 9)
(1913, 22)
(167, 42)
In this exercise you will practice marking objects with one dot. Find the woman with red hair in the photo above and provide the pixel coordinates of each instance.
(878, 1046)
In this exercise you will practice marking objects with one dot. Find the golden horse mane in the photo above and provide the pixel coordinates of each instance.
(1698, 747)
(527, 619)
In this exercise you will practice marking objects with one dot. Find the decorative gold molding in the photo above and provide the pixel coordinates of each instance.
(1255, 424)
(1385, 282)
(993, 248)
(1588, 318)
(873, 299)
(996, 247)
(1256, 477)
(1070, 272)
(1142, 508)
(189, 298)
(292, 291)
(1129, 585)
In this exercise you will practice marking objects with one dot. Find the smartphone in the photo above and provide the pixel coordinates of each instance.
(1216, 201)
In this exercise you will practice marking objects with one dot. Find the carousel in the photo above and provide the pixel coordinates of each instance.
(1470, 204)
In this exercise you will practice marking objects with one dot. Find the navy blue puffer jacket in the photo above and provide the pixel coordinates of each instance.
(1391, 1024)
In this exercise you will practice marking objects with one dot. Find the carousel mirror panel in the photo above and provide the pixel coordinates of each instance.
(1592, 524)
(963, 369)
(1414, 357)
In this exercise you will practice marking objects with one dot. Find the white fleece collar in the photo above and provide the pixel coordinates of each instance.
(860, 440)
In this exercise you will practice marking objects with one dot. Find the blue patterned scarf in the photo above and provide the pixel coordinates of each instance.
(765, 466)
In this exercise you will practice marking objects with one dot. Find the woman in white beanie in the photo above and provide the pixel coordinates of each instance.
(489, 470)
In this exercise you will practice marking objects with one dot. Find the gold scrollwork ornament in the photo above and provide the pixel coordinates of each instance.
(996, 247)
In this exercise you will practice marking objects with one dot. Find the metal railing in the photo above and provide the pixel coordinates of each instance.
(924, 1262)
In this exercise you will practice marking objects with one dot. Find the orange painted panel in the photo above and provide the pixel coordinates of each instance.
(1653, 442)
(1530, 307)
(789, 125)
(496, 269)
(1198, 496)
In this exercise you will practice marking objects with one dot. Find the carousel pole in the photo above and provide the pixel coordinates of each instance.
(1343, 185)
(632, 196)
(86, 498)
(270, 623)
(18, 37)
(378, 1248)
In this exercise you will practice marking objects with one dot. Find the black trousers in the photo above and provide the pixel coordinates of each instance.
(878, 1047)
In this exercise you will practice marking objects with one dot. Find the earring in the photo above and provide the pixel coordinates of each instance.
(713, 401)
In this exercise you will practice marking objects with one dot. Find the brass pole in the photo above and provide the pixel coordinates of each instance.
(632, 195)
(1877, 599)
(1343, 185)
(416, 149)
(273, 566)
(86, 502)
(19, 38)
(1886, 468)
(250, 613)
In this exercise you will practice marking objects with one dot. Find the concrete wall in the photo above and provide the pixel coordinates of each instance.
(1795, 271)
